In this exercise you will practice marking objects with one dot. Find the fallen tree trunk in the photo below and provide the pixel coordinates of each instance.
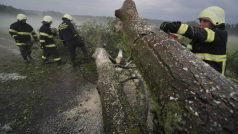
(189, 96)
(118, 116)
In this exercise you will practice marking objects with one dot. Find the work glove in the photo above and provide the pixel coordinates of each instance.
(170, 27)
(165, 26)
(16, 38)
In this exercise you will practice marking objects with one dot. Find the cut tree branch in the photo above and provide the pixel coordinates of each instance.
(189, 96)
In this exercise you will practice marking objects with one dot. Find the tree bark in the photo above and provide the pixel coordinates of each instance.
(118, 116)
(189, 96)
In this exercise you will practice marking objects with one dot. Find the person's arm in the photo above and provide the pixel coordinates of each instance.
(13, 33)
(61, 35)
(33, 33)
(72, 28)
(195, 33)
(44, 36)
(42, 41)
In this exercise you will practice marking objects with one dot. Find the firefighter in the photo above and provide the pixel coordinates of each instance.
(209, 40)
(22, 33)
(71, 38)
(47, 41)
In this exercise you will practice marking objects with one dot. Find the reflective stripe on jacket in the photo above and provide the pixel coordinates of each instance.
(209, 44)
(21, 32)
(46, 36)
(67, 31)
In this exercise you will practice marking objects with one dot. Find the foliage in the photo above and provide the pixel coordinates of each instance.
(232, 63)
(9, 9)
(232, 28)
(101, 35)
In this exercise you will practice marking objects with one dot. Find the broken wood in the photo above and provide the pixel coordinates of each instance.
(118, 115)
(189, 96)
(119, 57)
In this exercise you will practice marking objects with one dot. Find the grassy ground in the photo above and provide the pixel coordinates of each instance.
(44, 93)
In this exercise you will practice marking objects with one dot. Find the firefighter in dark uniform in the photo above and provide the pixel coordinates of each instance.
(71, 38)
(22, 33)
(209, 40)
(47, 41)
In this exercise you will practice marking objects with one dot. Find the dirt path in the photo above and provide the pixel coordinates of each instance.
(48, 99)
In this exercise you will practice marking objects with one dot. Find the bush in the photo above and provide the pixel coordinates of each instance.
(101, 35)
(232, 64)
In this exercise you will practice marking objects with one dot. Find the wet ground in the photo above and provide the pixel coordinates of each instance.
(46, 99)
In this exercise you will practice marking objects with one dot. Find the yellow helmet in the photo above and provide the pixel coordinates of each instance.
(215, 14)
(47, 19)
(21, 17)
(67, 16)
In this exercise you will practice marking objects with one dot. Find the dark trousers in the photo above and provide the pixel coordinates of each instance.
(216, 65)
(51, 51)
(72, 45)
(25, 51)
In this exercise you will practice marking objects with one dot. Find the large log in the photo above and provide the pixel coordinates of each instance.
(118, 116)
(189, 96)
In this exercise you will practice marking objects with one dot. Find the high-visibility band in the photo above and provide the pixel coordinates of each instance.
(215, 58)
(211, 57)
(63, 26)
(210, 35)
(57, 59)
(183, 29)
(223, 67)
(41, 41)
(24, 33)
(14, 36)
(11, 30)
(20, 44)
(51, 45)
(45, 34)
(43, 57)
(20, 33)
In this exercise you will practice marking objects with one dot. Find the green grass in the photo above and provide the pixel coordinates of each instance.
(232, 44)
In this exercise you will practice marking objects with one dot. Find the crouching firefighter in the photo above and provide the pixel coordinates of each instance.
(209, 40)
(47, 41)
(22, 34)
(71, 38)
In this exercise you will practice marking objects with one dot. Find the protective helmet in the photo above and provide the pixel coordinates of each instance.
(67, 16)
(214, 14)
(47, 19)
(21, 17)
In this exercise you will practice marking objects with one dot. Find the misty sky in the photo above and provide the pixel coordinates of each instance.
(184, 10)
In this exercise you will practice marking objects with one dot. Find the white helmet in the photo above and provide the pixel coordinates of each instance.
(215, 14)
(21, 17)
(47, 19)
(67, 16)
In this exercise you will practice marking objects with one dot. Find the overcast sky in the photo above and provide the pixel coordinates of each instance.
(182, 10)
